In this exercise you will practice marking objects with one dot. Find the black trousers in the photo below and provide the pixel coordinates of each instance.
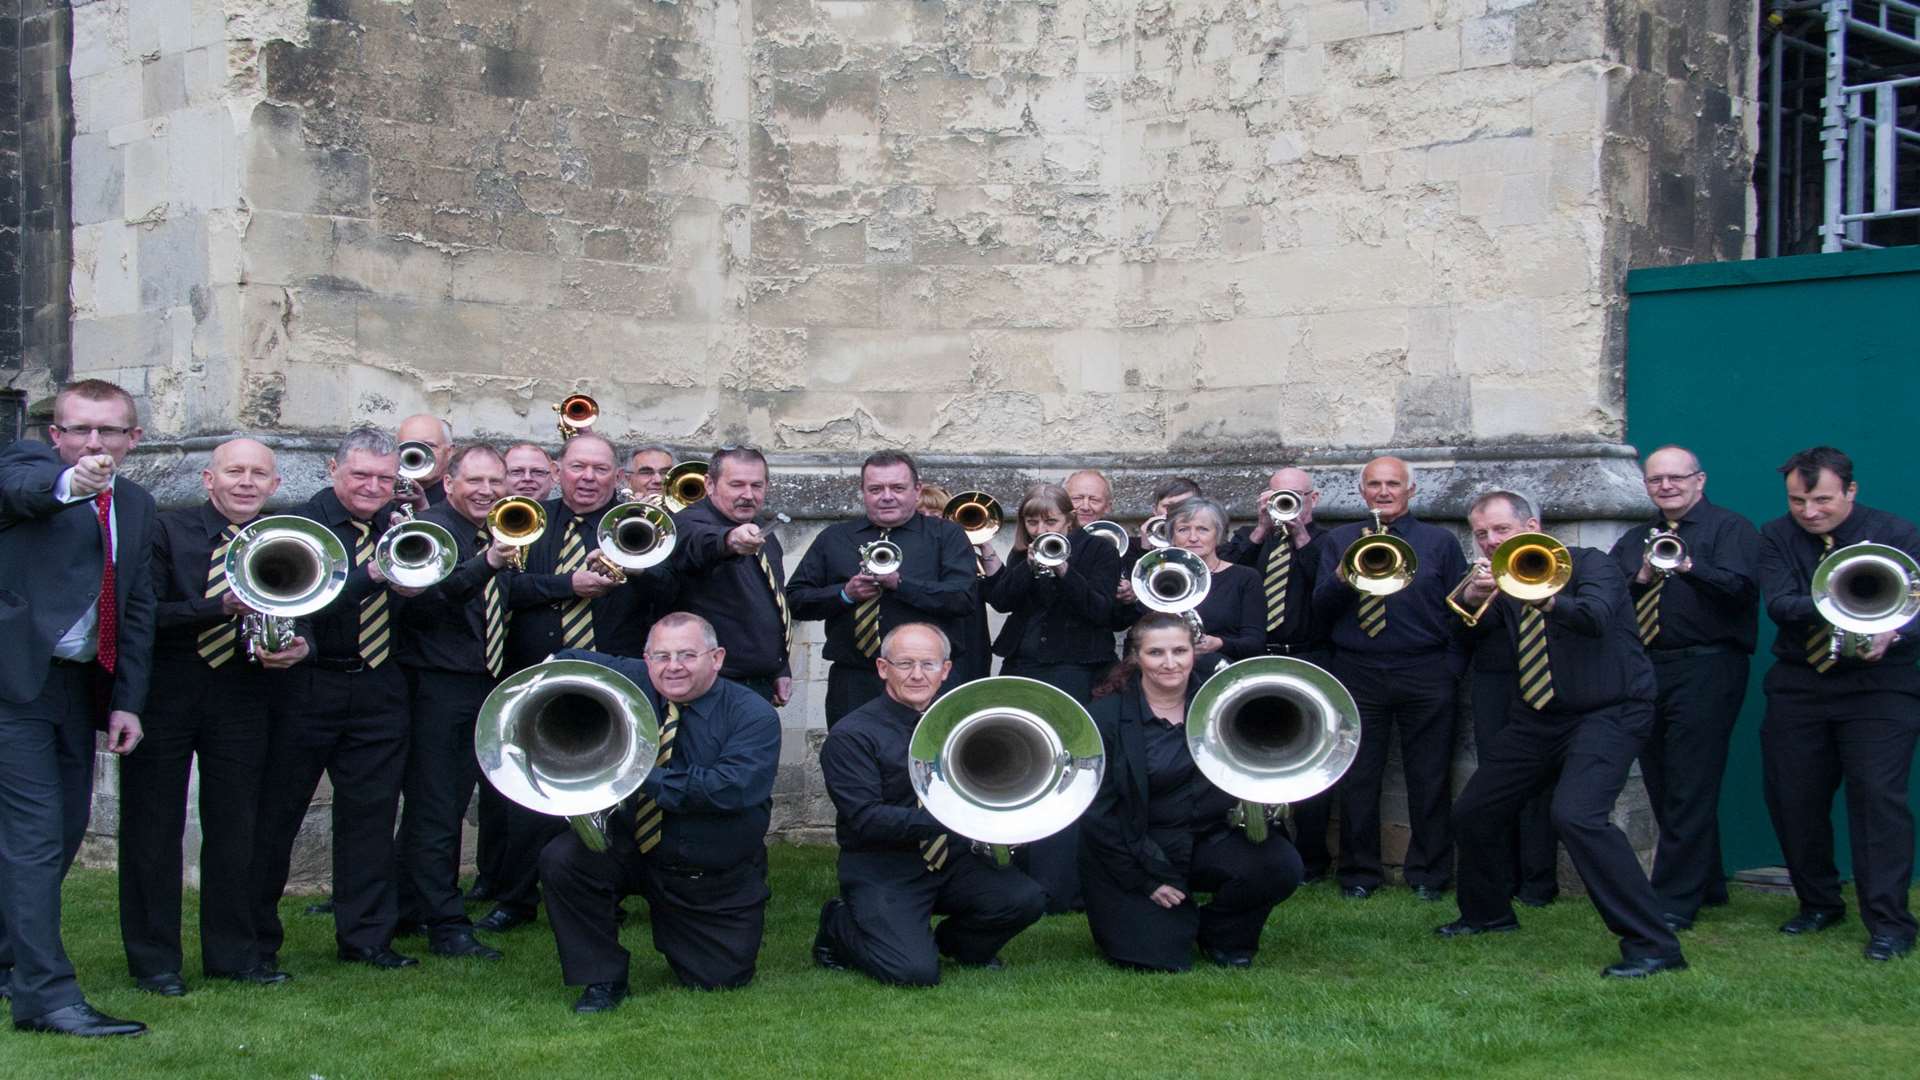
(441, 776)
(1417, 699)
(219, 716)
(1592, 754)
(1247, 881)
(1312, 818)
(849, 686)
(1529, 847)
(707, 923)
(46, 794)
(490, 848)
(1808, 748)
(1054, 861)
(351, 726)
(890, 896)
(1683, 764)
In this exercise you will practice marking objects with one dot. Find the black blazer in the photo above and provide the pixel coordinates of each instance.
(50, 565)
(1593, 640)
(1113, 831)
(1073, 609)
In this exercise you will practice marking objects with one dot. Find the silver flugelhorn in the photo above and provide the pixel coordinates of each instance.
(1049, 552)
(1272, 730)
(283, 567)
(1114, 532)
(1862, 590)
(1005, 760)
(1283, 506)
(416, 464)
(1173, 580)
(635, 535)
(878, 558)
(569, 738)
(1666, 552)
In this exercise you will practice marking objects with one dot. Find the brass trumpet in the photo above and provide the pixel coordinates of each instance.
(977, 513)
(1048, 553)
(577, 414)
(1283, 506)
(1379, 563)
(1666, 552)
(1526, 566)
(1113, 531)
(1862, 590)
(686, 484)
(517, 521)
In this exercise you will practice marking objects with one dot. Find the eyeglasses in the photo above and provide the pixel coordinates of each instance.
(1663, 479)
(522, 474)
(683, 657)
(94, 429)
(908, 667)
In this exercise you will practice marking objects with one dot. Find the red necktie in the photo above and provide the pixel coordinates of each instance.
(109, 652)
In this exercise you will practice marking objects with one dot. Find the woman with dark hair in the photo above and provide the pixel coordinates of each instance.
(1056, 632)
(974, 660)
(1157, 832)
(1233, 617)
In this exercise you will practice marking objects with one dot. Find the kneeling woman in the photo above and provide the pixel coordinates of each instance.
(1157, 832)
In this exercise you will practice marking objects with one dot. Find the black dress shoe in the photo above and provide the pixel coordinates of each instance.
(80, 1019)
(166, 984)
(479, 892)
(1644, 966)
(502, 919)
(1429, 893)
(600, 997)
(1884, 947)
(1812, 922)
(258, 975)
(1225, 959)
(382, 957)
(1356, 892)
(6, 983)
(324, 907)
(1463, 928)
(1675, 921)
(408, 928)
(823, 952)
(461, 944)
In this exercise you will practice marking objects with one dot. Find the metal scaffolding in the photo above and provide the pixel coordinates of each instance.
(1863, 59)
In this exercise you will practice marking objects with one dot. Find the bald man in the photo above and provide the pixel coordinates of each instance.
(1400, 656)
(438, 434)
(208, 700)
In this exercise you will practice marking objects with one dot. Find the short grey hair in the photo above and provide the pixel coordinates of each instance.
(946, 646)
(1519, 505)
(677, 619)
(654, 448)
(1196, 506)
(369, 440)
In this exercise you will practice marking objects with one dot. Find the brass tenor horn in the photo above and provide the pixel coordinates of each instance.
(1865, 589)
(686, 484)
(577, 414)
(1173, 580)
(1272, 730)
(1379, 563)
(635, 535)
(416, 554)
(1526, 566)
(284, 567)
(1005, 760)
(517, 522)
(977, 513)
(568, 738)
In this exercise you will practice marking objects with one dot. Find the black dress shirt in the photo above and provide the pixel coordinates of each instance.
(436, 492)
(1419, 623)
(1788, 555)
(183, 543)
(539, 596)
(937, 581)
(1713, 603)
(864, 763)
(716, 790)
(1297, 628)
(333, 632)
(445, 627)
(1593, 640)
(730, 591)
(1150, 808)
(1058, 619)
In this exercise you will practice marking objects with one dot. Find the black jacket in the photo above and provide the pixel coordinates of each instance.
(445, 627)
(1114, 830)
(1593, 641)
(538, 596)
(1069, 612)
(730, 591)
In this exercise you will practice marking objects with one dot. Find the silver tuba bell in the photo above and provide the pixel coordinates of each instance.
(1862, 590)
(1272, 730)
(283, 567)
(416, 554)
(1666, 552)
(1173, 580)
(569, 738)
(1049, 552)
(635, 535)
(879, 558)
(1005, 760)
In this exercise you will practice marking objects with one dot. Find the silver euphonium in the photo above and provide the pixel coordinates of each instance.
(1173, 580)
(1666, 552)
(1862, 590)
(1005, 760)
(283, 567)
(1049, 552)
(416, 554)
(568, 738)
(878, 558)
(1270, 731)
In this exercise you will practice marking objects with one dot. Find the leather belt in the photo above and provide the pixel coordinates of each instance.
(1689, 650)
(330, 663)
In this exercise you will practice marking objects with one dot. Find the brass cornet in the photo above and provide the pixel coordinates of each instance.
(517, 521)
(1379, 563)
(1526, 566)
(1049, 552)
(416, 464)
(577, 414)
(878, 558)
(1283, 506)
(977, 513)
(686, 484)
(1666, 552)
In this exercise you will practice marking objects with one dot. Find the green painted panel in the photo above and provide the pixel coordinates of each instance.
(1748, 362)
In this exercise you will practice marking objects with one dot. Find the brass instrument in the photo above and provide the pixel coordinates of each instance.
(416, 464)
(1272, 730)
(1526, 566)
(977, 513)
(1156, 532)
(1283, 506)
(1048, 553)
(577, 414)
(416, 554)
(517, 521)
(568, 738)
(1173, 580)
(878, 558)
(1862, 590)
(283, 567)
(1379, 563)
(1113, 531)
(1666, 552)
(635, 535)
(1005, 760)
(686, 484)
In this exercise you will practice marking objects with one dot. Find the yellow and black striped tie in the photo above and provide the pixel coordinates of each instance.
(1820, 642)
(216, 643)
(1373, 609)
(866, 620)
(647, 815)
(1536, 672)
(934, 852)
(375, 635)
(494, 604)
(780, 602)
(1279, 565)
(576, 622)
(1647, 610)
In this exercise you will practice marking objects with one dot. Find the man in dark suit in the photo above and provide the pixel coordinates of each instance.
(76, 612)
(731, 573)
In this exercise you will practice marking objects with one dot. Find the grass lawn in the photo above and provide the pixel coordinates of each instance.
(1342, 988)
